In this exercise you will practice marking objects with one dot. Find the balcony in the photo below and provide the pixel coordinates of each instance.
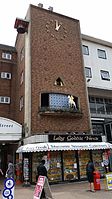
(60, 111)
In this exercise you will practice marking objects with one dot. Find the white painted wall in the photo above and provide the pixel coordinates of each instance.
(98, 64)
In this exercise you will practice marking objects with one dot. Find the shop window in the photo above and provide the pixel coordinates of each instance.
(55, 167)
(98, 159)
(84, 157)
(70, 165)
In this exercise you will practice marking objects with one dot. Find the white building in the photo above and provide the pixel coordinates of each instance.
(98, 69)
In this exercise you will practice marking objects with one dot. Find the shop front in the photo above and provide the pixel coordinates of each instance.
(10, 134)
(66, 156)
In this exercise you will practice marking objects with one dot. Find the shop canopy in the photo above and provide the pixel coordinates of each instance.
(65, 146)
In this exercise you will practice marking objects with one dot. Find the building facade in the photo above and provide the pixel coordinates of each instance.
(46, 98)
(98, 61)
(10, 130)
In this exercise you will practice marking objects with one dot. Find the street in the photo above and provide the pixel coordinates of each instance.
(73, 190)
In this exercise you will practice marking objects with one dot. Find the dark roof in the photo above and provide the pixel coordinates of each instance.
(8, 48)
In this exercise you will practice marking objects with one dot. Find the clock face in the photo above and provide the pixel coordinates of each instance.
(56, 29)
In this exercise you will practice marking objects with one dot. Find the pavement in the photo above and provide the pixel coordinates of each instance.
(74, 190)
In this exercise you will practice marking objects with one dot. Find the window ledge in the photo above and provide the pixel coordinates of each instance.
(60, 112)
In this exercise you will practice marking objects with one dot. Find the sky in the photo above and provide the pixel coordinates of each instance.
(94, 15)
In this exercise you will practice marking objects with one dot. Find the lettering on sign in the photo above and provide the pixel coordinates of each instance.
(6, 125)
(74, 138)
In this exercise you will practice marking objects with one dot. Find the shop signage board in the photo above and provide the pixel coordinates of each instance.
(42, 183)
(109, 181)
(74, 138)
(8, 192)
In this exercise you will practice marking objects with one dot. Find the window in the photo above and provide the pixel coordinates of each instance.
(56, 101)
(6, 56)
(5, 75)
(88, 72)
(21, 78)
(100, 105)
(105, 75)
(101, 53)
(21, 104)
(85, 50)
(5, 100)
(22, 54)
(98, 129)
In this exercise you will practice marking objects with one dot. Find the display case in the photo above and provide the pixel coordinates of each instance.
(70, 165)
(84, 157)
(55, 170)
(98, 161)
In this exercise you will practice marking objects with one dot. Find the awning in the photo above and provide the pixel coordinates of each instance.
(48, 146)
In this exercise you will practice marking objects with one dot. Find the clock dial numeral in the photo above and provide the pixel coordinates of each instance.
(57, 25)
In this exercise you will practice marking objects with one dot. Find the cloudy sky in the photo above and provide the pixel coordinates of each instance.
(95, 16)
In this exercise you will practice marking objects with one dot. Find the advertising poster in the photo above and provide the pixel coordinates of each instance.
(39, 187)
(42, 183)
(26, 169)
(109, 181)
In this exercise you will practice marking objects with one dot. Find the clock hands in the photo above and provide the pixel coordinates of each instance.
(57, 25)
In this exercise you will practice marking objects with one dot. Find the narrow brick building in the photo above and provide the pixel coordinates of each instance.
(52, 67)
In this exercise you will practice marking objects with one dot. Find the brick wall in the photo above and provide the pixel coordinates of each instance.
(8, 86)
(56, 54)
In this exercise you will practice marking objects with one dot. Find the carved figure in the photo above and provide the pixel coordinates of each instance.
(71, 102)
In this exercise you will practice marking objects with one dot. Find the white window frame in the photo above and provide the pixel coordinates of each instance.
(105, 75)
(5, 75)
(85, 50)
(4, 100)
(6, 56)
(88, 72)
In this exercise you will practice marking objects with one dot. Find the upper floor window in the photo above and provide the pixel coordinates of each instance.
(5, 100)
(6, 55)
(88, 72)
(21, 78)
(105, 75)
(85, 50)
(101, 53)
(21, 103)
(22, 54)
(5, 75)
(57, 101)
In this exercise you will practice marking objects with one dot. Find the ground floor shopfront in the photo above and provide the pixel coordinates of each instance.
(65, 161)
